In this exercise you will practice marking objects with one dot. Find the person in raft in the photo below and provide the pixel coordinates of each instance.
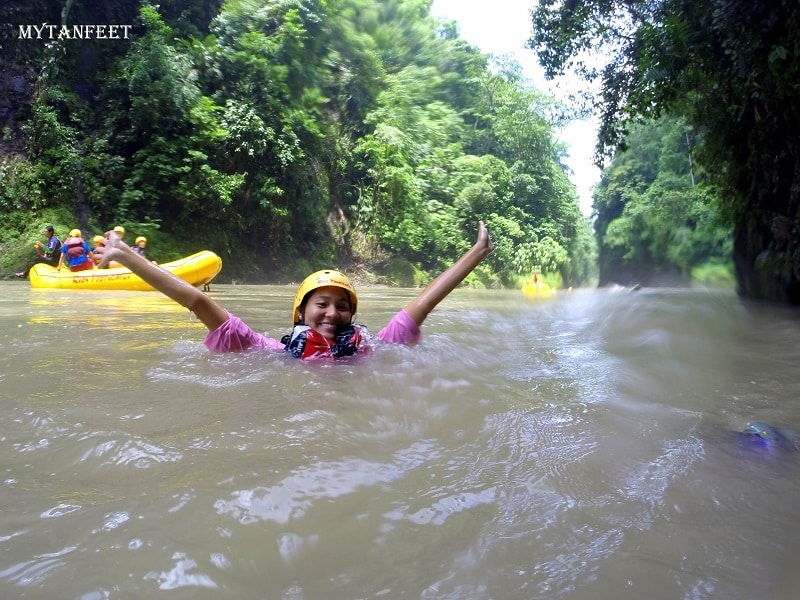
(48, 253)
(77, 252)
(323, 310)
(139, 245)
(98, 242)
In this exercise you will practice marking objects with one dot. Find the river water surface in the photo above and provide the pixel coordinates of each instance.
(577, 448)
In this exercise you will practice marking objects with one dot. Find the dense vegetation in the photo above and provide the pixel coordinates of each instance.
(285, 135)
(657, 217)
(730, 69)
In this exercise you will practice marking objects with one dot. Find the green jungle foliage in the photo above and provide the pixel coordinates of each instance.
(286, 135)
(657, 217)
(731, 69)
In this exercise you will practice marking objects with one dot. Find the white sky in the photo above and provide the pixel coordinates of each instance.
(502, 27)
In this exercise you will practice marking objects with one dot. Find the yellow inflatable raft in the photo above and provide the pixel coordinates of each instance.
(538, 290)
(197, 269)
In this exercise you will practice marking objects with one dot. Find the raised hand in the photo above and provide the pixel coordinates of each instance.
(110, 250)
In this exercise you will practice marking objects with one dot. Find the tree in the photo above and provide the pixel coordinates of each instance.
(731, 68)
(167, 133)
(657, 218)
(288, 134)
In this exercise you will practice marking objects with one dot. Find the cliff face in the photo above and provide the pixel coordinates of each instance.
(767, 224)
(767, 254)
(15, 99)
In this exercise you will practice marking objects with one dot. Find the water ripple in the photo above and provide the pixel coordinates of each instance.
(178, 576)
(136, 452)
(297, 492)
(34, 572)
(438, 512)
(60, 511)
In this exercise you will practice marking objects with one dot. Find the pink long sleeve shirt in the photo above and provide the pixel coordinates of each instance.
(234, 335)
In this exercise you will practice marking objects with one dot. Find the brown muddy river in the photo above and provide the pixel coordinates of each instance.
(578, 448)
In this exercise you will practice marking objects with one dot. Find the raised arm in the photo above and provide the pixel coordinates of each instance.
(438, 289)
(211, 314)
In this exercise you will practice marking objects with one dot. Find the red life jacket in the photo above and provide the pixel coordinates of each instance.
(74, 246)
(305, 342)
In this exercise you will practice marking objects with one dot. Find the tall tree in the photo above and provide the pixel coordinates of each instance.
(287, 134)
(732, 68)
(656, 217)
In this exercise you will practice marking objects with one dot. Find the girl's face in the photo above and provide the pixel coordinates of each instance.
(328, 310)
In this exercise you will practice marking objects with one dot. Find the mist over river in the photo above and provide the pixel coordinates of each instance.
(583, 447)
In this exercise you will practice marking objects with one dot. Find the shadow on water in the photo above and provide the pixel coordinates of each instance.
(583, 447)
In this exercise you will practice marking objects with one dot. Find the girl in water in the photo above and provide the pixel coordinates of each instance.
(323, 311)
